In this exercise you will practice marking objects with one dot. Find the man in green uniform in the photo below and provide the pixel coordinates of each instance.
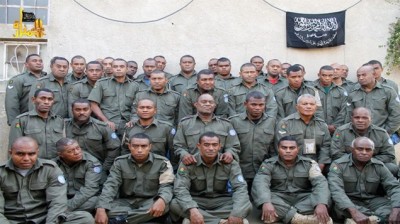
(333, 98)
(382, 100)
(160, 132)
(205, 84)
(78, 64)
(224, 79)
(378, 69)
(17, 91)
(187, 75)
(213, 65)
(210, 191)
(40, 124)
(82, 172)
(82, 89)
(247, 83)
(112, 98)
(255, 130)
(34, 190)
(107, 66)
(92, 135)
(161, 64)
(286, 97)
(167, 100)
(361, 125)
(258, 61)
(291, 188)
(191, 127)
(56, 82)
(338, 79)
(143, 182)
(311, 132)
(272, 78)
(132, 69)
(363, 189)
(143, 80)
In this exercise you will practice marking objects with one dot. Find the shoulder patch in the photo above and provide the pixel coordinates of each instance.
(114, 136)
(240, 178)
(17, 125)
(173, 131)
(232, 132)
(182, 170)
(61, 179)
(226, 98)
(97, 169)
(334, 168)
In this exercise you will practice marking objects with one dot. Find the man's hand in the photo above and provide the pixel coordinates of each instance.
(111, 125)
(331, 129)
(321, 212)
(157, 209)
(129, 124)
(321, 166)
(235, 220)
(268, 213)
(358, 217)
(101, 216)
(188, 159)
(394, 216)
(226, 158)
(196, 217)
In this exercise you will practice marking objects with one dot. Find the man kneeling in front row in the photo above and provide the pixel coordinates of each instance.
(34, 190)
(291, 188)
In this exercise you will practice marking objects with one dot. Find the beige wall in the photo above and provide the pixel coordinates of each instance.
(237, 29)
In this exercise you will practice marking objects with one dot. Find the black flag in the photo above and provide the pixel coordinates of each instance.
(28, 17)
(315, 30)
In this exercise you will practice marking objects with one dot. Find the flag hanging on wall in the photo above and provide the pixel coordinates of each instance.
(315, 30)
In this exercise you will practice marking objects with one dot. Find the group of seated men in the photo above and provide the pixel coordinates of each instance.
(220, 141)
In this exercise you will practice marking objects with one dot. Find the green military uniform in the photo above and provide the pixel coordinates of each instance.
(160, 132)
(17, 94)
(60, 106)
(282, 82)
(143, 82)
(190, 95)
(383, 102)
(45, 131)
(137, 187)
(317, 129)
(256, 141)
(115, 100)
(333, 100)
(348, 85)
(83, 182)
(71, 78)
(226, 83)
(191, 127)
(384, 149)
(167, 104)
(390, 83)
(362, 189)
(286, 98)
(39, 196)
(96, 138)
(291, 190)
(218, 191)
(78, 90)
(237, 97)
(179, 82)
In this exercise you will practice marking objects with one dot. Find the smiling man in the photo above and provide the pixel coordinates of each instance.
(291, 188)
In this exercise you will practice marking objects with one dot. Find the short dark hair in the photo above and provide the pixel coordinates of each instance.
(94, 63)
(223, 59)
(108, 57)
(275, 59)
(63, 142)
(326, 68)
(140, 136)
(204, 72)
(158, 56)
(301, 67)
(257, 56)
(77, 57)
(293, 68)
(374, 62)
(209, 134)
(187, 56)
(154, 103)
(29, 57)
(287, 138)
(54, 59)
(121, 59)
(133, 62)
(255, 95)
(158, 72)
(80, 100)
(247, 65)
(42, 90)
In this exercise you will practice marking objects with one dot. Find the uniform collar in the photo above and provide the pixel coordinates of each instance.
(34, 113)
(154, 122)
(196, 116)
(201, 162)
(53, 79)
(244, 116)
(149, 159)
